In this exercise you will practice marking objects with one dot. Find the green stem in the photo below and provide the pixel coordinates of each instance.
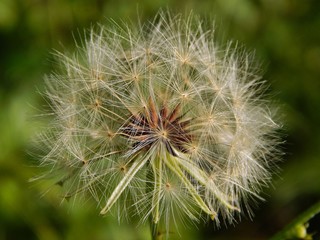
(154, 228)
(297, 228)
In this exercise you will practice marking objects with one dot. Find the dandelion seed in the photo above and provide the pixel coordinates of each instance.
(160, 121)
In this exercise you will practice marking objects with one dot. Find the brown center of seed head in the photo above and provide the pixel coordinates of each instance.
(150, 127)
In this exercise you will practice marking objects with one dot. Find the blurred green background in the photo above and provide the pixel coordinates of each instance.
(286, 37)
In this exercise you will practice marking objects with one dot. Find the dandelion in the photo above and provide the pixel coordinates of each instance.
(161, 122)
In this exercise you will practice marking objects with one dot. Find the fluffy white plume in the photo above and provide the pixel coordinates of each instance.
(161, 122)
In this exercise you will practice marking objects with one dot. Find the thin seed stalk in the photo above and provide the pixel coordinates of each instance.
(154, 185)
(157, 168)
(201, 177)
(136, 166)
(174, 167)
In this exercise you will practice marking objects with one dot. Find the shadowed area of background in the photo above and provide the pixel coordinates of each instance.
(286, 38)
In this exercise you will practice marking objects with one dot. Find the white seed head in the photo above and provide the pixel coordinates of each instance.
(160, 121)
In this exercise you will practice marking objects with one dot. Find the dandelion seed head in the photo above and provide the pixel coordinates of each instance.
(161, 122)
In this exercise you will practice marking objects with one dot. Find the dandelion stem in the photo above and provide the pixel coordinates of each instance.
(154, 228)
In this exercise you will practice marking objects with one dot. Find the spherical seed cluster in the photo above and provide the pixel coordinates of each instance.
(160, 120)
